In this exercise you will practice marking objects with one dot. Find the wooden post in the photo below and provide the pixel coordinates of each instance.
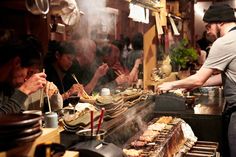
(149, 60)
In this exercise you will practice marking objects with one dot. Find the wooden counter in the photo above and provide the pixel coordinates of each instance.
(27, 149)
(68, 139)
(207, 125)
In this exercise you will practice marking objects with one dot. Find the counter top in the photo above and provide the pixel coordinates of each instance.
(68, 138)
(203, 105)
(122, 127)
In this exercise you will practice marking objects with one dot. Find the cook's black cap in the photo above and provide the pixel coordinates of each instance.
(219, 13)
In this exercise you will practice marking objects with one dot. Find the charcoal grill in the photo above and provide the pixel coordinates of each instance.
(122, 129)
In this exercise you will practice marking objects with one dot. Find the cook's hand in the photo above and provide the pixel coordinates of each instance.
(50, 88)
(34, 83)
(122, 79)
(101, 70)
(164, 87)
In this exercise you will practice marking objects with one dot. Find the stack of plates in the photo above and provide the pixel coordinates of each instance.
(16, 129)
(112, 104)
(80, 122)
(80, 117)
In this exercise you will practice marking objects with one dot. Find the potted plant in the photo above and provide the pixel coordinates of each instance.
(182, 55)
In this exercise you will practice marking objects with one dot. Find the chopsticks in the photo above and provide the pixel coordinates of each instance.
(85, 95)
(49, 105)
(74, 77)
(91, 122)
(118, 72)
(41, 94)
(100, 120)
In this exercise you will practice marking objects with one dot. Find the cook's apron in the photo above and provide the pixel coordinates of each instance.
(229, 123)
(229, 120)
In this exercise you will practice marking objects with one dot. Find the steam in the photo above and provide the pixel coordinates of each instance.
(96, 20)
(139, 117)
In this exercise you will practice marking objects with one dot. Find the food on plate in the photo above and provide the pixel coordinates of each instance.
(82, 93)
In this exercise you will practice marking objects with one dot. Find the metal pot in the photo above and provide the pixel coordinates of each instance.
(85, 135)
(37, 7)
(210, 91)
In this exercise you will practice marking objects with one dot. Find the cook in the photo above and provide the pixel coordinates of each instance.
(220, 21)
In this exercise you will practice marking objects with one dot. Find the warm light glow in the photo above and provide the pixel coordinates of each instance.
(198, 10)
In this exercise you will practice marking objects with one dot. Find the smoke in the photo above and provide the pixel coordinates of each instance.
(97, 21)
(142, 117)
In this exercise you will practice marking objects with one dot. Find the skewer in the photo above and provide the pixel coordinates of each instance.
(100, 120)
(91, 122)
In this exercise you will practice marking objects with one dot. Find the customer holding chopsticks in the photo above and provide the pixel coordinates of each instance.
(85, 67)
(15, 59)
(110, 55)
(57, 63)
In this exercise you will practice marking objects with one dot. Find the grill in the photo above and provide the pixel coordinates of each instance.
(126, 128)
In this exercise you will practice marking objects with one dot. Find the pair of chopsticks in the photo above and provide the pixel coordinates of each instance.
(41, 96)
(99, 122)
(49, 104)
(85, 94)
(118, 72)
(74, 77)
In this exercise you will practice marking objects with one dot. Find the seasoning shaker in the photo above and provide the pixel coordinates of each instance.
(50, 120)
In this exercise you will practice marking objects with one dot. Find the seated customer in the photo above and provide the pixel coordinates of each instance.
(38, 99)
(85, 67)
(35, 101)
(137, 52)
(15, 59)
(57, 63)
(90, 70)
(110, 55)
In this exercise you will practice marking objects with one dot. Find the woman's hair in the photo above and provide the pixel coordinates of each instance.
(55, 47)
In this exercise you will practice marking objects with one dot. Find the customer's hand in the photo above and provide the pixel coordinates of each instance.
(101, 70)
(50, 88)
(34, 83)
(75, 89)
(121, 79)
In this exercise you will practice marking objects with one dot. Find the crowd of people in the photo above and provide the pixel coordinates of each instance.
(28, 76)
(31, 75)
